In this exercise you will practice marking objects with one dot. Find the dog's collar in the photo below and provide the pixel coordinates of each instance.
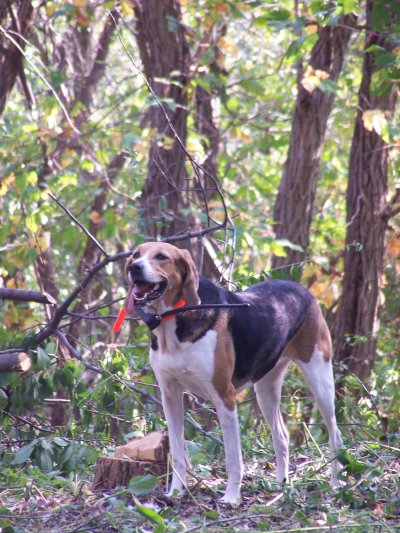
(178, 305)
(153, 321)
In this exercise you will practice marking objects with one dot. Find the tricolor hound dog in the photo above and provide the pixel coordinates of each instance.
(213, 352)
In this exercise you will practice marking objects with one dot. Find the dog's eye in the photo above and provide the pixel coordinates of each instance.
(136, 255)
(161, 257)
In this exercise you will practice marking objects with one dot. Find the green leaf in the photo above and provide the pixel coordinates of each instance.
(63, 376)
(351, 464)
(23, 454)
(350, 6)
(142, 485)
(394, 74)
(43, 359)
(323, 262)
(150, 514)
(277, 17)
(59, 441)
(6, 527)
(290, 244)
(301, 46)
(46, 444)
(46, 460)
(196, 452)
(328, 86)
(253, 87)
(3, 399)
(375, 48)
(295, 273)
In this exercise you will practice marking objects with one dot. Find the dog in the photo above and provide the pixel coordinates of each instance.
(215, 352)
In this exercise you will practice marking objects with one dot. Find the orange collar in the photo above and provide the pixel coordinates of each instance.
(122, 315)
(179, 304)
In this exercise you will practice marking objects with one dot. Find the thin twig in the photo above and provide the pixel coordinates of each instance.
(313, 259)
(86, 231)
(313, 440)
(28, 422)
(230, 519)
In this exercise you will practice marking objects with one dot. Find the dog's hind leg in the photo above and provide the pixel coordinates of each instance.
(268, 390)
(319, 375)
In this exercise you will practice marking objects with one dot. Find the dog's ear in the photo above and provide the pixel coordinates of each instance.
(191, 279)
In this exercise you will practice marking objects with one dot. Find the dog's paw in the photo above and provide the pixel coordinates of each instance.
(336, 484)
(230, 499)
(175, 493)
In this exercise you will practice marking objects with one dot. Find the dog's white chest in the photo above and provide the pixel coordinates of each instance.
(190, 364)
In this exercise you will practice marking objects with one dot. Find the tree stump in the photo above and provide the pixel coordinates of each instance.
(136, 458)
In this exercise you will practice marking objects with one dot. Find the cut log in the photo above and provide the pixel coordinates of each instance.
(21, 295)
(147, 455)
(14, 362)
(153, 447)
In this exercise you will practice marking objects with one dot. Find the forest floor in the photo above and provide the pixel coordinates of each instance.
(368, 501)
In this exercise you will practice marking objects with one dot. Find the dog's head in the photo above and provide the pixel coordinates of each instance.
(159, 272)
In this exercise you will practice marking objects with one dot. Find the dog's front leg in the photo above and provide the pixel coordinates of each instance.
(233, 453)
(172, 400)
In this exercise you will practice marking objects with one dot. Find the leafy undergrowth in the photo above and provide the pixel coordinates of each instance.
(368, 500)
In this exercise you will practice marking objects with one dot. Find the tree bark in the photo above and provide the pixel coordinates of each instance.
(114, 472)
(165, 55)
(11, 58)
(295, 200)
(85, 86)
(367, 219)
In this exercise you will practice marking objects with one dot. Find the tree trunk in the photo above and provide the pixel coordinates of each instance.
(165, 55)
(11, 64)
(205, 126)
(295, 200)
(367, 218)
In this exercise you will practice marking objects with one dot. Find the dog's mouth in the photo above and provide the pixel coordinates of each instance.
(143, 292)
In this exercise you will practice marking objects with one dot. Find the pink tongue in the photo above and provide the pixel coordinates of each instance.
(130, 301)
(137, 291)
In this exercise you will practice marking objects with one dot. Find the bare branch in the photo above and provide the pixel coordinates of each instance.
(20, 295)
(51, 328)
(61, 311)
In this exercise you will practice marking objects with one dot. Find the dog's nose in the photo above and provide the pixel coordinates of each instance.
(136, 267)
